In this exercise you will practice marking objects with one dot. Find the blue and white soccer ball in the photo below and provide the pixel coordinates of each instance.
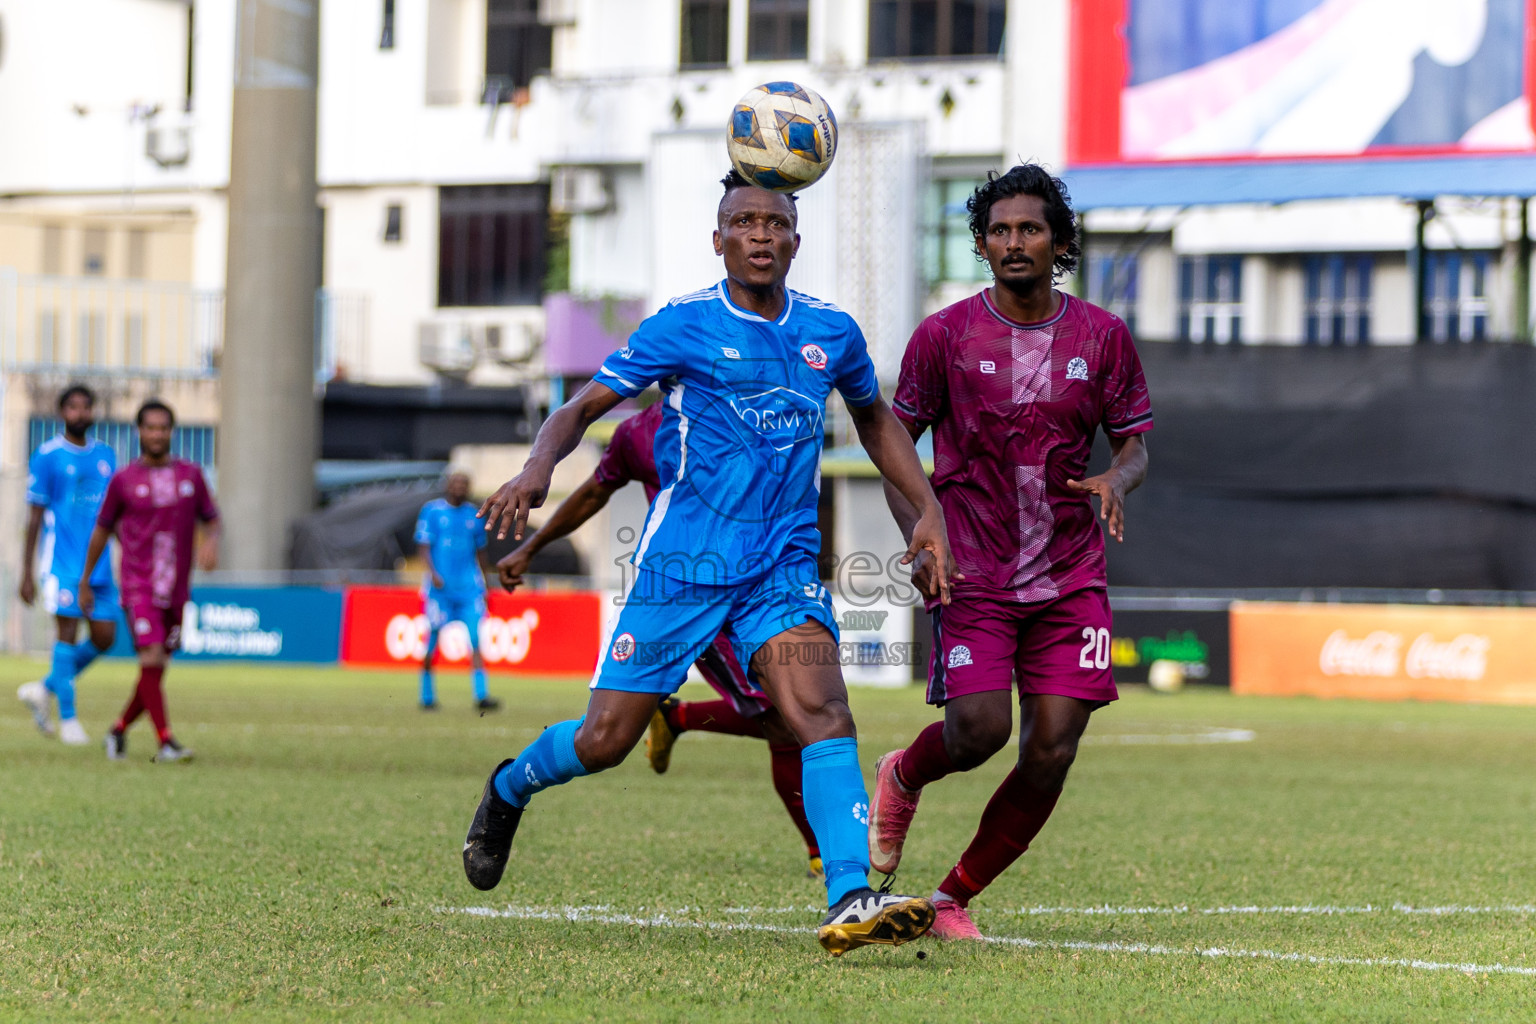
(782, 136)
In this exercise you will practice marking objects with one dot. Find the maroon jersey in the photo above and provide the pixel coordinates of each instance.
(631, 453)
(155, 511)
(1013, 409)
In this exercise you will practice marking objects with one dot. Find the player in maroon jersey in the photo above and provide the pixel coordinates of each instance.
(743, 708)
(1014, 382)
(154, 505)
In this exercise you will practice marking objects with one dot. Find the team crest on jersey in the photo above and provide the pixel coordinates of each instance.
(959, 655)
(815, 356)
(141, 626)
(103, 468)
(1077, 368)
(623, 647)
(185, 489)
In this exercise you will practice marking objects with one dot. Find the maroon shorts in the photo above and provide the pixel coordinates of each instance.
(152, 624)
(1059, 647)
(723, 670)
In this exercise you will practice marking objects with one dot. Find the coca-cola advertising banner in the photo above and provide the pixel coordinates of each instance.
(1385, 652)
(534, 633)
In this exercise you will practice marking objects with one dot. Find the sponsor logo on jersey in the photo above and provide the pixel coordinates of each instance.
(731, 353)
(959, 655)
(988, 366)
(815, 356)
(782, 416)
(623, 647)
(1077, 368)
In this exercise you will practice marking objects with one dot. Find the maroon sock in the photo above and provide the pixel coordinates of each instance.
(153, 698)
(712, 716)
(1014, 816)
(925, 760)
(133, 709)
(786, 780)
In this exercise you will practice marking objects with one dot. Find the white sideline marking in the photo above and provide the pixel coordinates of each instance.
(1321, 909)
(592, 915)
(1213, 735)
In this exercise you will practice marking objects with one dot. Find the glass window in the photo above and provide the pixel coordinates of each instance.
(517, 46)
(387, 30)
(776, 29)
(1211, 299)
(951, 248)
(1112, 285)
(491, 245)
(704, 35)
(935, 28)
(1338, 299)
(1456, 296)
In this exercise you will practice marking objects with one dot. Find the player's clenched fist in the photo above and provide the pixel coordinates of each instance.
(512, 567)
(513, 500)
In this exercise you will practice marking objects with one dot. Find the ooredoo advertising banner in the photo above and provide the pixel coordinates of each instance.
(536, 633)
(1385, 652)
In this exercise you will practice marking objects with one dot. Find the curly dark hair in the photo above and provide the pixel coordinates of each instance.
(734, 180)
(1030, 180)
(154, 405)
(77, 389)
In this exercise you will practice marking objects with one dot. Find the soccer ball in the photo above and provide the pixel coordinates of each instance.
(782, 136)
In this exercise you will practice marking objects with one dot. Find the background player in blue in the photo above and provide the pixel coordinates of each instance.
(67, 478)
(450, 539)
(730, 541)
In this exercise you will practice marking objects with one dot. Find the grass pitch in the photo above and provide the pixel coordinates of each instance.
(1344, 862)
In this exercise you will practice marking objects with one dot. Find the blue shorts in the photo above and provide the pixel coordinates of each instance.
(59, 598)
(444, 607)
(666, 624)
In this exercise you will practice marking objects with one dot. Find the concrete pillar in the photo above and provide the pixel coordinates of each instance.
(268, 440)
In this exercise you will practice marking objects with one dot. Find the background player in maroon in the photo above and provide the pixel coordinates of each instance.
(153, 505)
(743, 708)
(1014, 382)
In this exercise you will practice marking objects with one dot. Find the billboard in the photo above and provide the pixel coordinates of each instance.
(1385, 652)
(277, 624)
(1195, 640)
(1180, 80)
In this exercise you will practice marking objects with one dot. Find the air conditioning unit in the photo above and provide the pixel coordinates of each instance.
(451, 348)
(168, 145)
(579, 190)
(511, 344)
(559, 13)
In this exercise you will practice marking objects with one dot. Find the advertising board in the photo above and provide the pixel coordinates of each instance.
(531, 632)
(279, 624)
(1194, 640)
(1385, 652)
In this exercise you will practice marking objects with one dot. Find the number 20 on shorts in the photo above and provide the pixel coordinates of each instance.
(1095, 653)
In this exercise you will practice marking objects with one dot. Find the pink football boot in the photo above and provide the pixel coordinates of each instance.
(891, 808)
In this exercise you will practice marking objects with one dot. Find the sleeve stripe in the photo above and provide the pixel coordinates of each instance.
(605, 372)
(1134, 425)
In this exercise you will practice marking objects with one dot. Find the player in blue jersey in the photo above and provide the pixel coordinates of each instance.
(450, 538)
(67, 478)
(745, 368)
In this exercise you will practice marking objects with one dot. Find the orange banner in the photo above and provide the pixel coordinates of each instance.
(1385, 652)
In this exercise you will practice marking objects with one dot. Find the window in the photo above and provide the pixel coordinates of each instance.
(394, 215)
(193, 443)
(935, 28)
(491, 245)
(1456, 296)
(776, 29)
(517, 47)
(1338, 300)
(951, 249)
(704, 37)
(387, 33)
(1211, 299)
(1112, 285)
(94, 263)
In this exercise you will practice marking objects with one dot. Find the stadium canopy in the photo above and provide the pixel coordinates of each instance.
(1207, 183)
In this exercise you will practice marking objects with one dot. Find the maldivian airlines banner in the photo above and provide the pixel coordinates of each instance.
(1385, 652)
(534, 632)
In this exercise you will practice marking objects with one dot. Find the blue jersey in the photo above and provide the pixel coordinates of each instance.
(738, 452)
(69, 481)
(454, 537)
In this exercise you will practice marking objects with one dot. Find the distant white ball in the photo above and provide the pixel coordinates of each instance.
(782, 136)
(1166, 676)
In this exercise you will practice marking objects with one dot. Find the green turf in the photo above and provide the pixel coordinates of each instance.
(300, 869)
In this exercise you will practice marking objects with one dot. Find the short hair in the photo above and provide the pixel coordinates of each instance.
(1030, 180)
(77, 389)
(153, 405)
(734, 180)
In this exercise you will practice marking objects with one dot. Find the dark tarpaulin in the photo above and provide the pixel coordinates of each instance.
(1354, 467)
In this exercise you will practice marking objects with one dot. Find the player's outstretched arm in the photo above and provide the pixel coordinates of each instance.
(1127, 469)
(28, 589)
(584, 503)
(85, 597)
(890, 448)
(557, 438)
(208, 550)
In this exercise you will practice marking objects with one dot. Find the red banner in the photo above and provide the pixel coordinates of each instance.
(534, 633)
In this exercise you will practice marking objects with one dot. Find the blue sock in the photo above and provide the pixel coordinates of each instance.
(428, 695)
(548, 761)
(478, 678)
(85, 653)
(837, 805)
(61, 679)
